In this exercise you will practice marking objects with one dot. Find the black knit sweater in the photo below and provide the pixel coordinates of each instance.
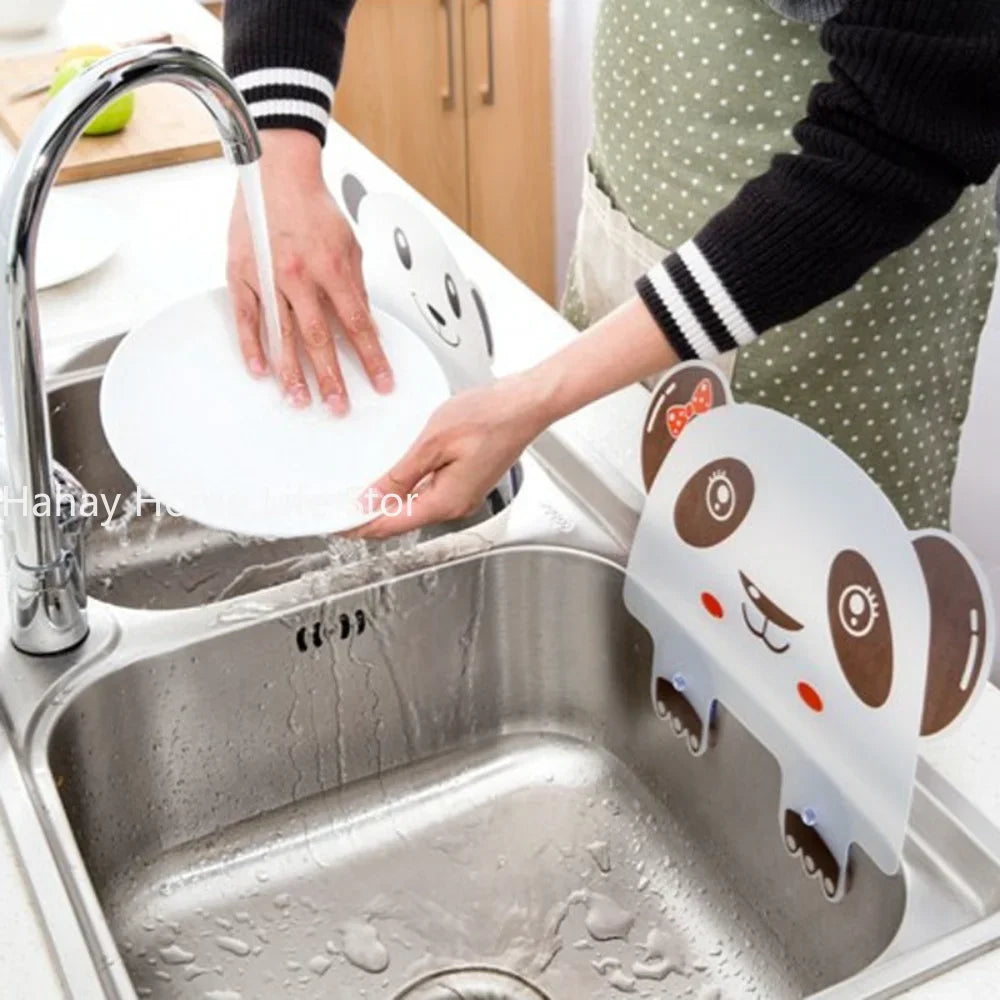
(909, 118)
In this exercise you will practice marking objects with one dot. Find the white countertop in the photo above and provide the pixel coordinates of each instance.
(175, 246)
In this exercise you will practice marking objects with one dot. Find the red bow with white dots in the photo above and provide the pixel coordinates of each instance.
(701, 402)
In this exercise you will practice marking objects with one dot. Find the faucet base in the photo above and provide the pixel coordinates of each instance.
(48, 607)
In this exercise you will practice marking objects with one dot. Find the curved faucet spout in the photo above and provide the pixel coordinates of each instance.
(44, 545)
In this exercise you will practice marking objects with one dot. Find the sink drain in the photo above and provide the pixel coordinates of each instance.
(472, 984)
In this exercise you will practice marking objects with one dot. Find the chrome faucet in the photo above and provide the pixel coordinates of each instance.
(42, 527)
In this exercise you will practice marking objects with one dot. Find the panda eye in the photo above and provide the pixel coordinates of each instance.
(452, 289)
(857, 610)
(859, 626)
(403, 249)
(720, 496)
(714, 503)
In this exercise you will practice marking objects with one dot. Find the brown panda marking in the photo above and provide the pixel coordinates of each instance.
(677, 389)
(958, 631)
(704, 516)
(859, 626)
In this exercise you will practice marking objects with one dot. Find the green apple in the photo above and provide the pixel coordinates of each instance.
(114, 117)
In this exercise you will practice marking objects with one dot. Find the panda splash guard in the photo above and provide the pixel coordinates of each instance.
(776, 578)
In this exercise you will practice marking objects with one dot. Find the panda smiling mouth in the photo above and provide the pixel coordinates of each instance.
(762, 634)
(770, 614)
(428, 317)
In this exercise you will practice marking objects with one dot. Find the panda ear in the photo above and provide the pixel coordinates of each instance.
(961, 637)
(354, 193)
(686, 391)
(484, 319)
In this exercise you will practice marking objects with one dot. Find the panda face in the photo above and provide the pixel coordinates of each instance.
(411, 273)
(788, 559)
(442, 314)
(711, 507)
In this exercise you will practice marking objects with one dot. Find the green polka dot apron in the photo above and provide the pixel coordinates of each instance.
(692, 98)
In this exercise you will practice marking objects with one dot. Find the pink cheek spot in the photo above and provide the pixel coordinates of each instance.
(711, 604)
(809, 695)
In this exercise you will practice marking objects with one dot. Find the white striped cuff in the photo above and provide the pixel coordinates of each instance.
(725, 306)
(286, 97)
(285, 76)
(693, 307)
(289, 109)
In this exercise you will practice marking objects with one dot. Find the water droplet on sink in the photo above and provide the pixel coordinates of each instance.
(606, 920)
(662, 954)
(234, 945)
(363, 947)
(319, 964)
(600, 851)
(616, 976)
(176, 955)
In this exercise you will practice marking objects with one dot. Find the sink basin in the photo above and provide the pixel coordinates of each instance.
(453, 785)
(154, 560)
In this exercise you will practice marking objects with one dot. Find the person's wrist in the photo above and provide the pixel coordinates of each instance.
(291, 154)
(539, 395)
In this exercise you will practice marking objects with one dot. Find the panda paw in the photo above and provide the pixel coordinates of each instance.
(674, 708)
(817, 859)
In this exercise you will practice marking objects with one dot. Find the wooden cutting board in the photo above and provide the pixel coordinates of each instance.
(169, 125)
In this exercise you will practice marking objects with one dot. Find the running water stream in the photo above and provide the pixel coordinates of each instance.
(253, 200)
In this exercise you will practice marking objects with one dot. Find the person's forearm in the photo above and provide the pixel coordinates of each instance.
(909, 118)
(286, 57)
(621, 349)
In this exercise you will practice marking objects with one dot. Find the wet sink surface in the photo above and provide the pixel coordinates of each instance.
(466, 793)
(537, 856)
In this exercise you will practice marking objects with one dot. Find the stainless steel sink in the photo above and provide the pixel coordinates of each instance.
(449, 785)
(426, 772)
(150, 559)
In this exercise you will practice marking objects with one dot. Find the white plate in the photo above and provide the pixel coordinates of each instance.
(79, 233)
(202, 436)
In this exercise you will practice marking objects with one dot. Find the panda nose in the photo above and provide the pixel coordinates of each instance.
(437, 316)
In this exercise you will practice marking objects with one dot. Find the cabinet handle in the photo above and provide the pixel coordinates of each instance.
(489, 91)
(448, 96)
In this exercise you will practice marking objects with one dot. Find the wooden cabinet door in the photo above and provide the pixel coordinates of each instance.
(402, 94)
(509, 112)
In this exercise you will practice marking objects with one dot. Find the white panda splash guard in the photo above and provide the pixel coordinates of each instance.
(777, 579)
(412, 274)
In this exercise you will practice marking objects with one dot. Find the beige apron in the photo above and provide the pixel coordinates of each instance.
(609, 255)
(684, 116)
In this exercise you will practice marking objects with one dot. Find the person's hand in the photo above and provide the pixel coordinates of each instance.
(468, 445)
(317, 265)
(471, 441)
